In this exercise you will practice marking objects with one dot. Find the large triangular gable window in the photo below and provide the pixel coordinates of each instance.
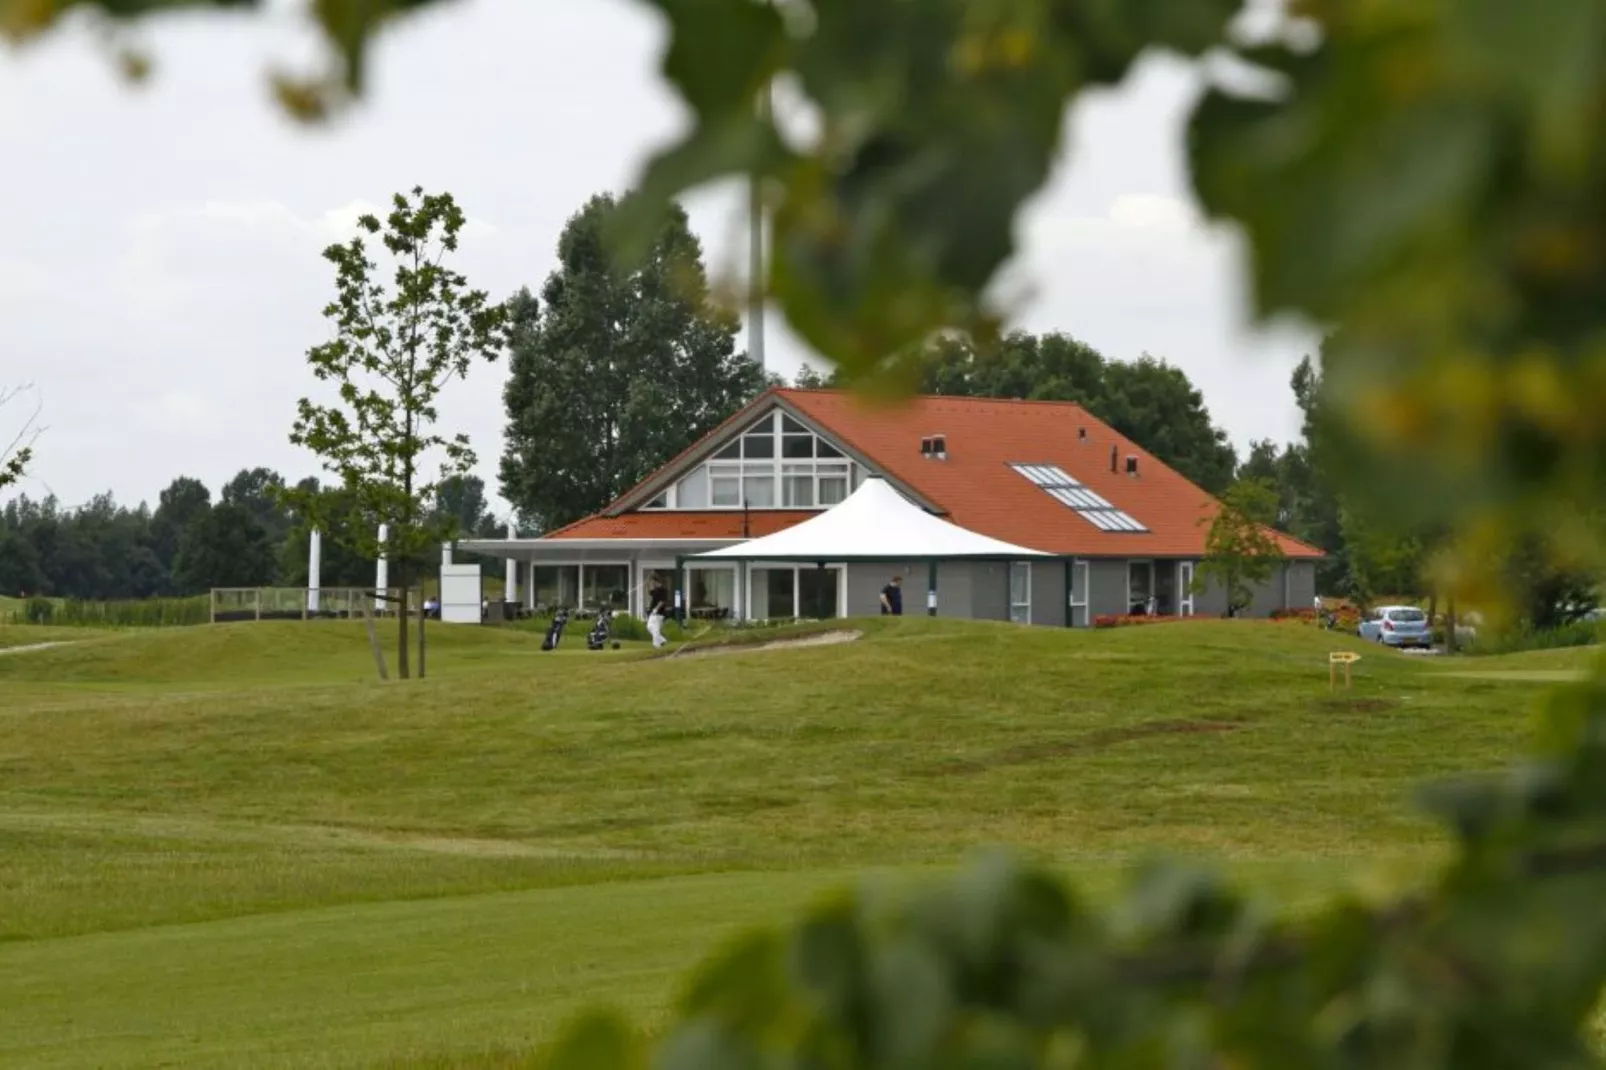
(776, 463)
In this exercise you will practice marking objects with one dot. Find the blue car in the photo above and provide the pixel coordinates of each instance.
(1397, 626)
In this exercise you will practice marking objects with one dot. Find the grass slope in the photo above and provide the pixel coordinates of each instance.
(229, 846)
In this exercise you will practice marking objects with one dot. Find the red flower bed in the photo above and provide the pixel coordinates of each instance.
(1124, 620)
(1345, 617)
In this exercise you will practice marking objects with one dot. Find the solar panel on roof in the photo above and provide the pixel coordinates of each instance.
(1074, 495)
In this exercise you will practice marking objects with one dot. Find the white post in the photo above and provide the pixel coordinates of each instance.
(382, 572)
(446, 553)
(510, 585)
(314, 569)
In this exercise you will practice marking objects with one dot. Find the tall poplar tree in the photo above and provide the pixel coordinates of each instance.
(614, 370)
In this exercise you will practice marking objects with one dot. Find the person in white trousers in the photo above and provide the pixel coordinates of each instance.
(657, 608)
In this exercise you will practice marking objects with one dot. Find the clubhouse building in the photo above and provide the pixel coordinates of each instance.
(1033, 512)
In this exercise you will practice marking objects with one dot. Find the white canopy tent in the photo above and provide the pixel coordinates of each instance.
(874, 523)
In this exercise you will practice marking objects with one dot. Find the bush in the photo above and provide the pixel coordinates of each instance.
(133, 613)
(39, 611)
(1516, 640)
(627, 628)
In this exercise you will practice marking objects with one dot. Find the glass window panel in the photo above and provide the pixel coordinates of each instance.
(790, 426)
(766, 426)
(758, 447)
(713, 593)
(797, 446)
(799, 491)
(759, 491)
(733, 452)
(692, 493)
(1079, 584)
(774, 593)
(1140, 578)
(823, 448)
(607, 587)
(817, 590)
(727, 491)
(833, 489)
(556, 586)
(1020, 592)
(660, 502)
(858, 476)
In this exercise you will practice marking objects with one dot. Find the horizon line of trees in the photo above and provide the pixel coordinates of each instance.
(189, 543)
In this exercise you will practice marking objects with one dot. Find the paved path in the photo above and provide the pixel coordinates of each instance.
(31, 647)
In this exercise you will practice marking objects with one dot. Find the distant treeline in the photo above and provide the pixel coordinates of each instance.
(105, 552)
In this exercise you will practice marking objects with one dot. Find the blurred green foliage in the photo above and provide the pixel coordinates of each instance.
(1426, 177)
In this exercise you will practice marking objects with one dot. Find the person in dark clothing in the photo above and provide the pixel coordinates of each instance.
(657, 609)
(892, 598)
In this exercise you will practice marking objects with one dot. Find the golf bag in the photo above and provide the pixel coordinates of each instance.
(598, 639)
(554, 634)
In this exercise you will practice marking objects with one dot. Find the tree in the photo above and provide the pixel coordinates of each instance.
(260, 492)
(1239, 553)
(1147, 400)
(338, 564)
(177, 507)
(395, 349)
(618, 372)
(461, 500)
(810, 378)
(223, 547)
(1385, 556)
(16, 452)
(1154, 404)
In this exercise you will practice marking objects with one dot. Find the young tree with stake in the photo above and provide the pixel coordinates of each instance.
(394, 350)
(1239, 552)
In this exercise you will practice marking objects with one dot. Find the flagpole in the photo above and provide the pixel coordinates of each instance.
(755, 264)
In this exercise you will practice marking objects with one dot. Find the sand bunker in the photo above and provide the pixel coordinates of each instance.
(822, 639)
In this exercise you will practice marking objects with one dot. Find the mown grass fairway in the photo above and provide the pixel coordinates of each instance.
(230, 846)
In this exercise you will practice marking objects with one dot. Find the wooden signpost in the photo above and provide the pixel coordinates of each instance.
(1345, 658)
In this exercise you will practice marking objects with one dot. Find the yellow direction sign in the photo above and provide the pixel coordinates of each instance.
(1345, 658)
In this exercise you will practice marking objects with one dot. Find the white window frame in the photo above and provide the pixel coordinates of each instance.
(746, 578)
(580, 568)
(773, 467)
(1185, 576)
(1026, 617)
(1126, 606)
(1081, 576)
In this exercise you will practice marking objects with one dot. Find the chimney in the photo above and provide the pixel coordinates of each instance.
(1081, 433)
(1115, 460)
(1132, 465)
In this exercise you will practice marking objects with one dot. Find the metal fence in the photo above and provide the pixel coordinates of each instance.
(304, 603)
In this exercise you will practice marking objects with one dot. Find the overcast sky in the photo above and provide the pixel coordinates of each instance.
(159, 271)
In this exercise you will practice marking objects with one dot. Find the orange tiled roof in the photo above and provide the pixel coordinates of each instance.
(975, 486)
(714, 524)
(977, 489)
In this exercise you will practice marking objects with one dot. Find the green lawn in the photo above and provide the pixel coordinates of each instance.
(231, 846)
